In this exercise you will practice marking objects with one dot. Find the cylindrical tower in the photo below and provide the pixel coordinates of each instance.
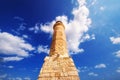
(59, 45)
(58, 65)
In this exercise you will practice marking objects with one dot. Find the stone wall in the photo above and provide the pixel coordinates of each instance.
(55, 68)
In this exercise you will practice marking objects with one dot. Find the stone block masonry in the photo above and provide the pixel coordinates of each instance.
(58, 69)
(58, 65)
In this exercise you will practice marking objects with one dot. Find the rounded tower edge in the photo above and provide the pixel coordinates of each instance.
(58, 23)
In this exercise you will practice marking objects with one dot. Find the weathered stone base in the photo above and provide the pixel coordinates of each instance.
(56, 68)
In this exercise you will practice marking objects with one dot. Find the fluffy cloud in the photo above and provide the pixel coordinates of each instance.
(100, 66)
(18, 18)
(27, 78)
(36, 29)
(43, 49)
(115, 40)
(22, 27)
(78, 69)
(102, 8)
(117, 54)
(12, 58)
(87, 37)
(83, 69)
(14, 46)
(94, 1)
(118, 70)
(10, 67)
(3, 76)
(25, 36)
(76, 28)
(19, 78)
(92, 74)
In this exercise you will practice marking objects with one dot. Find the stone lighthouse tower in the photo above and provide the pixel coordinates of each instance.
(58, 65)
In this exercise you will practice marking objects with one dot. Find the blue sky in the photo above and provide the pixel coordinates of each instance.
(92, 30)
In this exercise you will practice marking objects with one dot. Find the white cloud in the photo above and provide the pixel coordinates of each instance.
(10, 67)
(75, 28)
(92, 74)
(94, 1)
(78, 69)
(115, 40)
(3, 76)
(13, 45)
(22, 27)
(100, 66)
(36, 29)
(118, 70)
(47, 27)
(72, 1)
(5, 59)
(82, 69)
(93, 36)
(25, 36)
(43, 49)
(88, 37)
(27, 78)
(18, 18)
(18, 78)
(117, 54)
(102, 8)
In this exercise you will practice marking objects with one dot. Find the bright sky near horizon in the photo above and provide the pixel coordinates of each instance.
(92, 29)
